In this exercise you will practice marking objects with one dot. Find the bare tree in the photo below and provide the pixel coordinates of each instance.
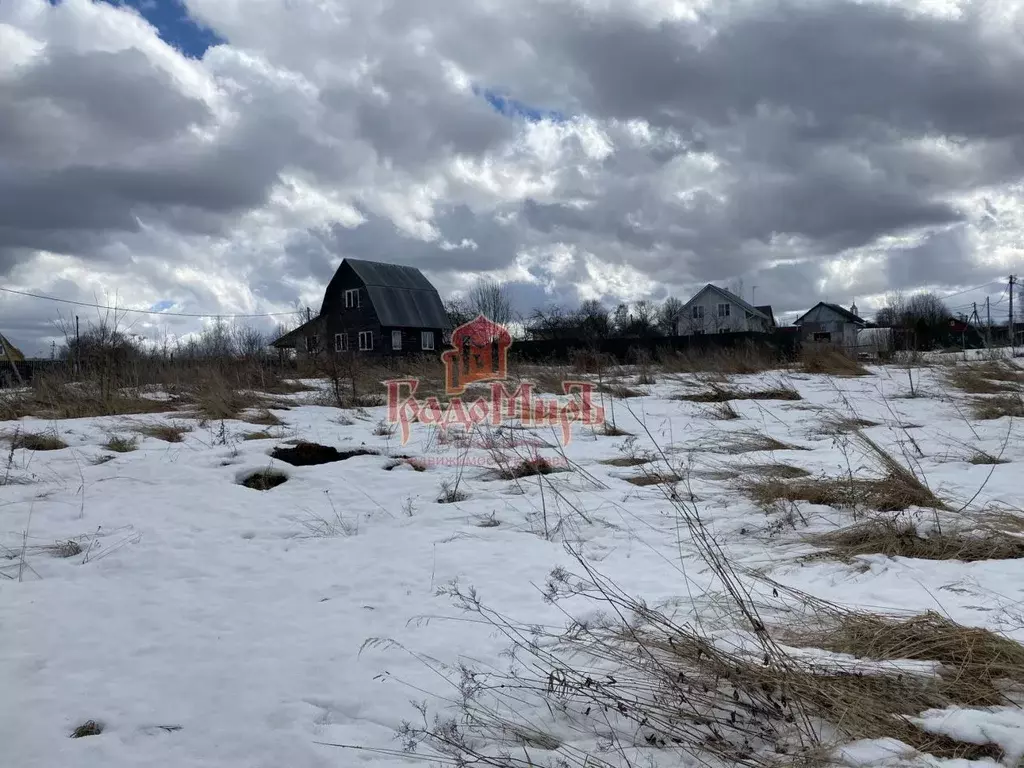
(669, 316)
(490, 299)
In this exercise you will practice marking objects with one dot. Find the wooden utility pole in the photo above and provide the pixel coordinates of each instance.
(1013, 280)
(988, 325)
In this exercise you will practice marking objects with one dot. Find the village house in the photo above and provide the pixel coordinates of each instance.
(830, 324)
(716, 310)
(374, 309)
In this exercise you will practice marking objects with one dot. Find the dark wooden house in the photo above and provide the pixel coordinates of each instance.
(373, 309)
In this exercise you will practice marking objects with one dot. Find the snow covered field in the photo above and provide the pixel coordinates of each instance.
(205, 623)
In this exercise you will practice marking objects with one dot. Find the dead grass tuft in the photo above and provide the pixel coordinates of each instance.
(841, 425)
(990, 378)
(88, 728)
(654, 478)
(986, 458)
(261, 435)
(975, 663)
(894, 492)
(264, 418)
(745, 359)
(41, 441)
(626, 461)
(121, 444)
(749, 441)
(529, 468)
(901, 538)
(718, 394)
(169, 433)
(779, 471)
(722, 411)
(998, 406)
(834, 362)
(619, 390)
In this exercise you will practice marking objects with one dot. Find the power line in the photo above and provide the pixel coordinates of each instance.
(968, 290)
(143, 311)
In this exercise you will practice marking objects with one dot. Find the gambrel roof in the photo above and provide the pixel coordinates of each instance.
(401, 296)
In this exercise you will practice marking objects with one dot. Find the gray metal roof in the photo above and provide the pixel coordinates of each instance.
(844, 313)
(731, 297)
(402, 296)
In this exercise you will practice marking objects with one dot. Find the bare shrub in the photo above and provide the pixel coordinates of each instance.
(451, 493)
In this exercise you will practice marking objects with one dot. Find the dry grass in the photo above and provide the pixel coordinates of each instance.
(169, 433)
(619, 390)
(722, 411)
(749, 441)
(88, 728)
(975, 663)
(121, 444)
(840, 425)
(263, 418)
(985, 458)
(900, 538)
(41, 441)
(834, 362)
(654, 478)
(626, 461)
(989, 378)
(778, 471)
(718, 394)
(529, 468)
(50, 400)
(261, 435)
(998, 406)
(745, 359)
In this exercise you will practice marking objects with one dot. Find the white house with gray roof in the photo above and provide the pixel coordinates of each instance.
(716, 310)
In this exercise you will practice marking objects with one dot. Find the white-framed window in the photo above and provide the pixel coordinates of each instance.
(351, 298)
(724, 310)
(698, 313)
(341, 342)
(396, 339)
(365, 341)
(426, 340)
(312, 343)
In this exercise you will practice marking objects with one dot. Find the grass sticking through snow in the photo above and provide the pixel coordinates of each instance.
(169, 433)
(998, 406)
(719, 394)
(833, 362)
(264, 479)
(32, 441)
(121, 444)
(901, 538)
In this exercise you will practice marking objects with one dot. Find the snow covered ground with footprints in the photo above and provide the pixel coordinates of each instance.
(201, 622)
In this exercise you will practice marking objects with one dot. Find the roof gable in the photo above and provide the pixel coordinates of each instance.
(844, 313)
(731, 297)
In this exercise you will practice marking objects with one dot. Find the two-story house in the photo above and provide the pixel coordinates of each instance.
(374, 309)
(716, 310)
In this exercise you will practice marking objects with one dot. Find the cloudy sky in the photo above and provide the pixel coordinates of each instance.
(223, 156)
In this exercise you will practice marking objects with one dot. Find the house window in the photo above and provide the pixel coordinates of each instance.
(341, 342)
(698, 313)
(427, 340)
(312, 343)
(396, 339)
(352, 298)
(823, 336)
(365, 341)
(724, 310)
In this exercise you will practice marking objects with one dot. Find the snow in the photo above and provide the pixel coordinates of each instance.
(208, 624)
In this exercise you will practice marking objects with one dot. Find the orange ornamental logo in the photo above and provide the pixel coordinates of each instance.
(479, 354)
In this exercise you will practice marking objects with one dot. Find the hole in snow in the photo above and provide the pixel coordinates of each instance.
(310, 454)
(264, 479)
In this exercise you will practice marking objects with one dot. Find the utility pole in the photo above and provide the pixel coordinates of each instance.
(1013, 280)
(78, 348)
(988, 326)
